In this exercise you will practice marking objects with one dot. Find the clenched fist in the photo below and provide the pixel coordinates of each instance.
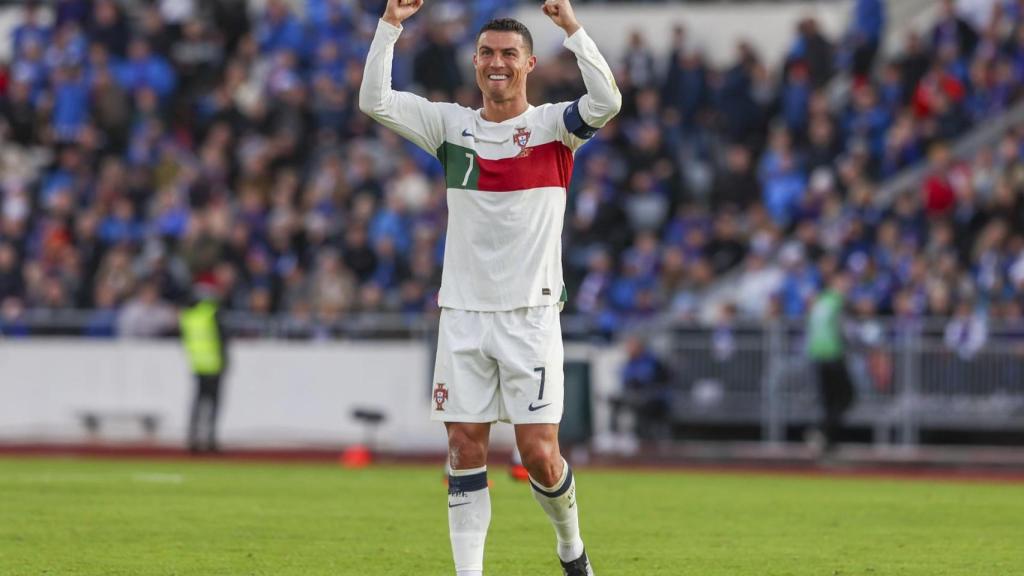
(397, 11)
(560, 12)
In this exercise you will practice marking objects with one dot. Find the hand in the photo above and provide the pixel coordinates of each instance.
(560, 12)
(397, 11)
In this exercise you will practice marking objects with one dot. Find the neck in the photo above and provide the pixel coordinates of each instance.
(501, 111)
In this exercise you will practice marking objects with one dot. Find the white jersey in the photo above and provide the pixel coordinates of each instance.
(506, 181)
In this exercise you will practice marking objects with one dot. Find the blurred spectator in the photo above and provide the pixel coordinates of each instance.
(783, 180)
(638, 62)
(592, 291)
(736, 185)
(826, 348)
(278, 30)
(865, 35)
(145, 315)
(436, 67)
(333, 288)
(812, 52)
(952, 30)
(11, 283)
(229, 145)
(108, 27)
(686, 85)
(966, 332)
(103, 318)
(939, 196)
(30, 31)
(646, 393)
(872, 359)
(20, 123)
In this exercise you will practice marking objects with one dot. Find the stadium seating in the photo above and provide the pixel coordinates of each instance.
(143, 152)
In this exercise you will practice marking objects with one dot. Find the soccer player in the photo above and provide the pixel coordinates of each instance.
(499, 353)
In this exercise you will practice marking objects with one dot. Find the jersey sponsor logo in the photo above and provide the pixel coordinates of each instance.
(533, 408)
(522, 138)
(466, 133)
(440, 396)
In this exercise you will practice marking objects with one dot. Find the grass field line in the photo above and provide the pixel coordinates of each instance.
(92, 478)
(158, 478)
(92, 517)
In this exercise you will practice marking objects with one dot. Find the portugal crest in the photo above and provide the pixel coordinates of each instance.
(522, 138)
(440, 396)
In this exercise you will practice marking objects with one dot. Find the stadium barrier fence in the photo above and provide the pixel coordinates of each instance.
(910, 378)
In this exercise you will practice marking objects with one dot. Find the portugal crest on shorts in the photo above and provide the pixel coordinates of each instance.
(522, 137)
(440, 396)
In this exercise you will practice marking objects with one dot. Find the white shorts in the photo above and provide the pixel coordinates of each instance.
(499, 366)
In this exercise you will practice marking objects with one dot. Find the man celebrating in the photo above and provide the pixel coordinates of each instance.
(507, 168)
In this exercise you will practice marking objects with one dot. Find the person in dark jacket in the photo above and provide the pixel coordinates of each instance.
(952, 29)
(645, 392)
(866, 30)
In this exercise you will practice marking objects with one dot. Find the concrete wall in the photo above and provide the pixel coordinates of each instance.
(277, 394)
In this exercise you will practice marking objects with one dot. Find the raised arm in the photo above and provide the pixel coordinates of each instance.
(602, 101)
(413, 117)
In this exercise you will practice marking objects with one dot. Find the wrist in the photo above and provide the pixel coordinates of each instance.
(571, 29)
(388, 18)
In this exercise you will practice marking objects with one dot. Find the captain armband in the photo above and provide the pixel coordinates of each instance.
(574, 122)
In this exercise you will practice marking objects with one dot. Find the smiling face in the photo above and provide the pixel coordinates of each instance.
(502, 61)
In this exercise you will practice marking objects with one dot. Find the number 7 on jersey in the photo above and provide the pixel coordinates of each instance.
(460, 166)
(469, 168)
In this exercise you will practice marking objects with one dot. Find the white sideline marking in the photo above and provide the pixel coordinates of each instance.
(159, 478)
(57, 478)
(86, 478)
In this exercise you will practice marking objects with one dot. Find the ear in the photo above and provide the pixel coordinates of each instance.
(474, 59)
(531, 63)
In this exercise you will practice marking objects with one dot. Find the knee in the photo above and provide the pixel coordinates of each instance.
(543, 461)
(465, 450)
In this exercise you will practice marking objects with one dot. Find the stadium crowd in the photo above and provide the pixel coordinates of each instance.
(151, 147)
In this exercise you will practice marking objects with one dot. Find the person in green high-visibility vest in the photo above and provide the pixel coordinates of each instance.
(206, 345)
(826, 349)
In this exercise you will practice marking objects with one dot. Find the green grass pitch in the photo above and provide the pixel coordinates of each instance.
(141, 517)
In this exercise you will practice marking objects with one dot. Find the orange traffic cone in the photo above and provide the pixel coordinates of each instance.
(516, 469)
(358, 456)
(518, 472)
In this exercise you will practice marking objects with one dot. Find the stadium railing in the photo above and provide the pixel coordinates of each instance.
(908, 380)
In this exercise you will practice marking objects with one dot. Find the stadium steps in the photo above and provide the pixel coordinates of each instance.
(906, 182)
(983, 135)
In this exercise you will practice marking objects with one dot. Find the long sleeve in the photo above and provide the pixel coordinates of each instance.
(413, 117)
(602, 100)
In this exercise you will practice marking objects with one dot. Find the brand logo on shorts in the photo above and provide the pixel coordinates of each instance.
(440, 396)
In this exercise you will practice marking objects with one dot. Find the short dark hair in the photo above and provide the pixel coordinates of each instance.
(509, 25)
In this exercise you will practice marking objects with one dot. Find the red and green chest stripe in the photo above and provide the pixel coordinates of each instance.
(540, 166)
